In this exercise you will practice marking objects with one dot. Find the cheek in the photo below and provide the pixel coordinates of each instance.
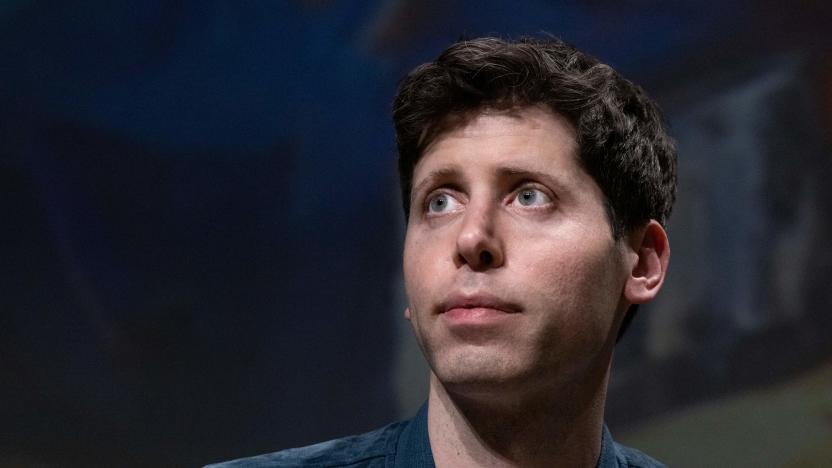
(418, 286)
(417, 274)
(579, 285)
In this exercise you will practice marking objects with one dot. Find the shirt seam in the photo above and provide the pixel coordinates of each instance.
(354, 461)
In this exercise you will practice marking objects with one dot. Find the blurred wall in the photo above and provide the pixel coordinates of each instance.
(201, 253)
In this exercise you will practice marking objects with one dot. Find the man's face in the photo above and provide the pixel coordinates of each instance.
(512, 274)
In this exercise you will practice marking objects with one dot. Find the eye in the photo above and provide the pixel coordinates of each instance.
(531, 196)
(441, 203)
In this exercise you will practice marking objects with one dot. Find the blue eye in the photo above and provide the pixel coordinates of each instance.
(532, 197)
(441, 203)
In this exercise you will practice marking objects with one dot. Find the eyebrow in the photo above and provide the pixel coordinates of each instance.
(516, 171)
(522, 173)
(438, 174)
(512, 171)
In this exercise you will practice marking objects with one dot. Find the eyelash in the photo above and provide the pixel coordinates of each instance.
(524, 187)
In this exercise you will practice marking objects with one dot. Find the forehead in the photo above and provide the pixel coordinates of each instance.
(532, 137)
(479, 121)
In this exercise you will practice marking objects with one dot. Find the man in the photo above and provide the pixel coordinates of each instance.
(536, 182)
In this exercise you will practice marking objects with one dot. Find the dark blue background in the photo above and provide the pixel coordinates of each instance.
(201, 235)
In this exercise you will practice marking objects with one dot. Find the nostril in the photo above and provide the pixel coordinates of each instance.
(486, 258)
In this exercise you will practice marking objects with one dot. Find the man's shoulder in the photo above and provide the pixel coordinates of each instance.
(369, 449)
(632, 458)
(615, 455)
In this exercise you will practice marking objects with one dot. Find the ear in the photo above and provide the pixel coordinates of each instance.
(651, 256)
(407, 313)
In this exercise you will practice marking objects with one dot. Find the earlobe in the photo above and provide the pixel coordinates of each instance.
(647, 274)
(407, 313)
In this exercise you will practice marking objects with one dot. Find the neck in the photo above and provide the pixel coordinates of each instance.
(557, 427)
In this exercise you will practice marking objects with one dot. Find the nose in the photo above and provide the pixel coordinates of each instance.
(478, 244)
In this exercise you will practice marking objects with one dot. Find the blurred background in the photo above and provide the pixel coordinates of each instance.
(200, 252)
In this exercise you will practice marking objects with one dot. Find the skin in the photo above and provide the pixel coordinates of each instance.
(516, 290)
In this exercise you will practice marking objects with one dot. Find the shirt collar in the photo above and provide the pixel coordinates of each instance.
(413, 445)
(609, 453)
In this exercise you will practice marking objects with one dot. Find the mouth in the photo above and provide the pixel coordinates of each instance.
(477, 301)
(476, 309)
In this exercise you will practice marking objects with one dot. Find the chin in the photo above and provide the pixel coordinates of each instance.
(480, 373)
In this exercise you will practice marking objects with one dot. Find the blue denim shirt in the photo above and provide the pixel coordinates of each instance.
(400, 445)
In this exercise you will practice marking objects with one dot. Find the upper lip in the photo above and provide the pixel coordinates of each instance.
(476, 301)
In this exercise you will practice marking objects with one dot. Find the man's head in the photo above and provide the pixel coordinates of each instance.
(620, 140)
(536, 182)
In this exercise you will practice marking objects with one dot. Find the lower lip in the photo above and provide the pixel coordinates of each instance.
(475, 316)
